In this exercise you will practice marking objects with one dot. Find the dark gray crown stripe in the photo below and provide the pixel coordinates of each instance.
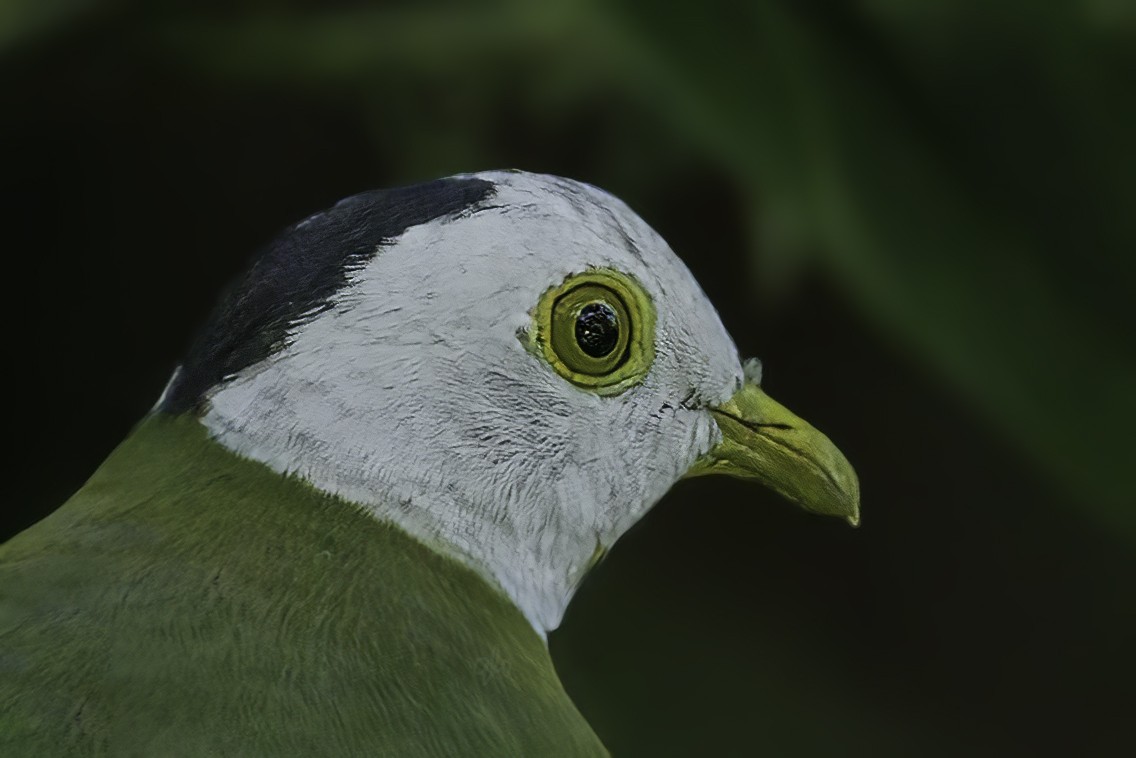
(296, 277)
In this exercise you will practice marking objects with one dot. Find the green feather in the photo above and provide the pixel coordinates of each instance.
(189, 602)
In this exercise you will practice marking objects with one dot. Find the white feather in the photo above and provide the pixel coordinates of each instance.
(416, 398)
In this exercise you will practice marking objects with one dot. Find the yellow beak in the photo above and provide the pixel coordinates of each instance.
(764, 441)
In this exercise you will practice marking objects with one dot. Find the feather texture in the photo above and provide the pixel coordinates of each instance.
(190, 602)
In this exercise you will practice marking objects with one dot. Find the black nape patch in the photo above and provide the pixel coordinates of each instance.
(297, 276)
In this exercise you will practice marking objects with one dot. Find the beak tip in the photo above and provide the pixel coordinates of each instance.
(763, 440)
(853, 497)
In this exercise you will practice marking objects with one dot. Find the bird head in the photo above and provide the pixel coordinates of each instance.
(511, 367)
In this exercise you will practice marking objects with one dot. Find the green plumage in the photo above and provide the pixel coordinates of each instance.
(189, 602)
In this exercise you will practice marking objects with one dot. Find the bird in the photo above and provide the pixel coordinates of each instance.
(375, 480)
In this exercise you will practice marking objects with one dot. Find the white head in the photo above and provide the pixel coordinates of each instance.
(403, 364)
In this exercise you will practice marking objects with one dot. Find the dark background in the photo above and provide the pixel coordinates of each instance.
(921, 215)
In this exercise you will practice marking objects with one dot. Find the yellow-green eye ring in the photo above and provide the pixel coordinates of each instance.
(590, 327)
(597, 329)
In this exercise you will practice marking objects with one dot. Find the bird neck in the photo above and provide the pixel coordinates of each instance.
(170, 476)
(197, 582)
(491, 519)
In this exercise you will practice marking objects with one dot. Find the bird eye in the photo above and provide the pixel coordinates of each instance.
(597, 330)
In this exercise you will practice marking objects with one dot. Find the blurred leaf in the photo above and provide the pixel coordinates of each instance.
(22, 21)
(936, 194)
(355, 45)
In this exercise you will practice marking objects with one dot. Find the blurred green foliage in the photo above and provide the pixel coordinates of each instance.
(987, 221)
(962, 172)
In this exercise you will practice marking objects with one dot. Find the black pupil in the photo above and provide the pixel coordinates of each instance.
(597, 329)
